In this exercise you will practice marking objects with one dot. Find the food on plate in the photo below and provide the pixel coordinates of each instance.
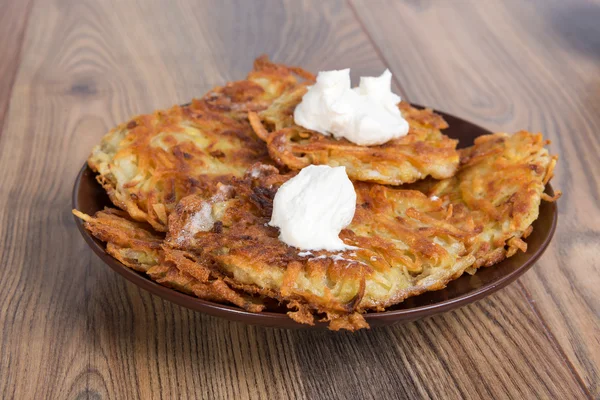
(205, 210)
(405, 242)
(424, 151)
(149, 163)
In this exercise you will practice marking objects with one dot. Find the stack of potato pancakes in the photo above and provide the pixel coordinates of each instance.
(193, 188)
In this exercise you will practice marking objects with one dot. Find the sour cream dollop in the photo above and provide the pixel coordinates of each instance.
(313, 207)
(366, 115)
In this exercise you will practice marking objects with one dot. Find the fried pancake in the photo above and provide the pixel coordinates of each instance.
(137, 247)
(423, 152)
(149, 163)
(408, 242)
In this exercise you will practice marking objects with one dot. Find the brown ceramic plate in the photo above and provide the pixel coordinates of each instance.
(89, 197)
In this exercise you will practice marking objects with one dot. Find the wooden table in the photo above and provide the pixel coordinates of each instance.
(71, 69)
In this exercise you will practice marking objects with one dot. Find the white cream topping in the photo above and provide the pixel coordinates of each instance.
(313, 207)
(366, 115)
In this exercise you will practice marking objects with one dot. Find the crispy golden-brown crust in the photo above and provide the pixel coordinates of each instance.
(136, 246)
(132, 243)
(150, 162)
(423, 152)
(501, 180)
(407, 242)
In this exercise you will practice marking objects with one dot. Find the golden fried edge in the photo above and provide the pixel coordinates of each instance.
(137, 247)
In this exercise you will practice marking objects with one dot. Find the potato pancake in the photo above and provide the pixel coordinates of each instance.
(423, 152)
(136, 246)
(408, 242)
(149, 163)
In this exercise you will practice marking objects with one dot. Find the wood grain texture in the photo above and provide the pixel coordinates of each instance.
(492, 349)
(13, 20)
(70, 328)
(521, 65)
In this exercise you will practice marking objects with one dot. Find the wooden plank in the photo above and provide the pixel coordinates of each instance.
(13, 21)
(521, 65)
(71, 327)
